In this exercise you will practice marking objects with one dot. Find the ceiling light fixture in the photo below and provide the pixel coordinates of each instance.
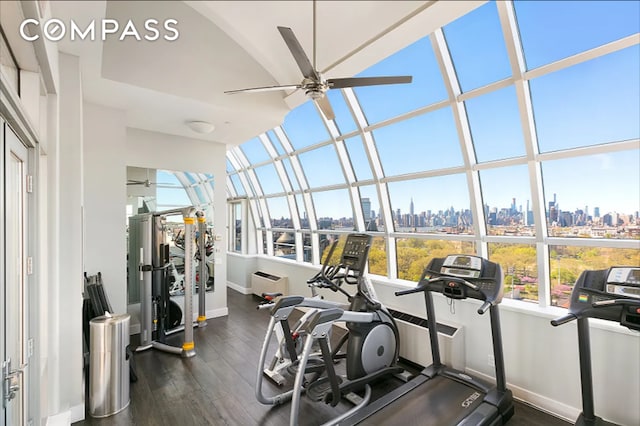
(201, 126)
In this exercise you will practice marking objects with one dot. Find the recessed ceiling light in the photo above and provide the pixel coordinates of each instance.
(201, 126)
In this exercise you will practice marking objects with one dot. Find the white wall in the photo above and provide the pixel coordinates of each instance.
(167, 152)
(541, 360)
(66, 392)
(105, 196)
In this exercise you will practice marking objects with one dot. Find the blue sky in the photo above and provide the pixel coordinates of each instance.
(591, 103)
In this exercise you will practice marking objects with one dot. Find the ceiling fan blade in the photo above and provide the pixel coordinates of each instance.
(325, 107)
(339, 83)
(264, 89)
(298, 54)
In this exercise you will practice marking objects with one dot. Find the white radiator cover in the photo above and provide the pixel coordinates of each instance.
(263, 282)
(416, 347)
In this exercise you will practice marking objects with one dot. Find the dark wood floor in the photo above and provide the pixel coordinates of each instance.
(216, 387)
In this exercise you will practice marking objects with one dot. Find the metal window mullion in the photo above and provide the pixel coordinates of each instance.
(231, 190)
(461, 120)
(268, 145)
(311, 213)
(605, 148)
(188, 188)
(594, 242)
(284, 140)
(392, 256)
(515, 53)
(244, 227)
(588, 55)
(356, 204)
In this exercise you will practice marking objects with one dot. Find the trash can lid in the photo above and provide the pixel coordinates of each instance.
(110, 319)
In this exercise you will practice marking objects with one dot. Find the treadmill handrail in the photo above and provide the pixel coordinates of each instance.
(616, 302)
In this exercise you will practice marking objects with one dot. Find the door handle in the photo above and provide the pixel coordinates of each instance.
(10, 381)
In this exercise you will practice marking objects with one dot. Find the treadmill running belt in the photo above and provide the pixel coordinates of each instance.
(437, 402)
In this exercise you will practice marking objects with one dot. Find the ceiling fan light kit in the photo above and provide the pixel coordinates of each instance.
(313, 84)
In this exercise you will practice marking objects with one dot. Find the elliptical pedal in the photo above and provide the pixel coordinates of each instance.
(318, 390)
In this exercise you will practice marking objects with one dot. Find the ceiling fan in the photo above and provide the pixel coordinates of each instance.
(313, 84)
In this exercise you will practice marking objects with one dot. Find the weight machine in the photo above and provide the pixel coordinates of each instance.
(159, 315)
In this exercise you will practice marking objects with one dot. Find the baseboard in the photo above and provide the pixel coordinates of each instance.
(60, 419)
(239, 288)
(74, 414)
(215, 313)
(540, 402)
(77, 413)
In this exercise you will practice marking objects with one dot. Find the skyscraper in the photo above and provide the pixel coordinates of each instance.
(366, 209)
(411, 207)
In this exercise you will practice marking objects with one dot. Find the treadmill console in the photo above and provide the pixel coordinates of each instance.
(615, 293)
(356, 252)
(624, 282)
(484, 277)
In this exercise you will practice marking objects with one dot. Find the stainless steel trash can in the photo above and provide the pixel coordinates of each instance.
(108, 365)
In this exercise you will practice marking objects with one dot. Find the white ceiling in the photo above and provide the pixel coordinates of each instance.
(225, 45)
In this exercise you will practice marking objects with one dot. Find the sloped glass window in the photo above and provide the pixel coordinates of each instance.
(254, 151)
(358, 157)
(572, 27)
(566, 263)
(169, 191)
(269, 179)
(286, 162)
(322, 167)
(495, 125)
(344, 119)
(590, 103)
(414, 254)
(302, 211)
(201, 195)
(333, 209)
(477, 48)
(426, 142)
(237, 184)
(507, 201)
(303, 126)
(276, 142)
(230, 167)
(432, 205)
(279, 212)
(594, 196)
(426, 88)
(520, 269)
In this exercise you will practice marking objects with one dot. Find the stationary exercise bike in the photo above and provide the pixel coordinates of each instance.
(372, 338)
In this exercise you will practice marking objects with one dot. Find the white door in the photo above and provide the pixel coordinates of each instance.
(14, 269)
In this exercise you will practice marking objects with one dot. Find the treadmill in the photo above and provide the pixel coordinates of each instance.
(610, 294)
(439, 395)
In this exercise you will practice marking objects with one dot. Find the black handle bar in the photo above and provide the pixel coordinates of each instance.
(420, 287)
(563, 320)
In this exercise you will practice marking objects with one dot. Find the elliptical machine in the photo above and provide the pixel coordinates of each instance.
(611, 294)
(372, 339)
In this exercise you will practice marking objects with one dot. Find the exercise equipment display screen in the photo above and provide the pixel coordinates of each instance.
(624, 282)
(462, 266)
(356, 250)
